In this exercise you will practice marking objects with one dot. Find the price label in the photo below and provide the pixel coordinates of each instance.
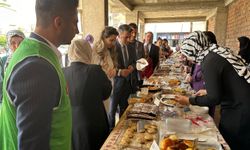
(144, 91)
(157, 102)
(154, 146)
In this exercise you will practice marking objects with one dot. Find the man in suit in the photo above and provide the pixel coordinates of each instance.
(139, 53)
(137, 45)
(122, 81)
(36, 112)
(152, 49)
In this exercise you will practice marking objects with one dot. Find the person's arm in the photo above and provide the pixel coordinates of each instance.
(157, 56)
(104, 82)
(212, 71)
(142, 50)
(198, 74)
(34, 96)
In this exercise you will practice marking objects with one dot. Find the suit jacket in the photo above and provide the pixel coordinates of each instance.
(118, 80)
(154, 55)
(139, 53)
(88, 87)
(120, 61)
(139, 49)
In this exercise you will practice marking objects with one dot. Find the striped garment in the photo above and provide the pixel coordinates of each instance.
(196, 47)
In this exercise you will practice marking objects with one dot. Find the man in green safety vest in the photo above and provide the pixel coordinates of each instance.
(36, 112)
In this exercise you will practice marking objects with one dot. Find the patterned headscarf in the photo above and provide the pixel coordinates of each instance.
(80, 51)
(196, 47)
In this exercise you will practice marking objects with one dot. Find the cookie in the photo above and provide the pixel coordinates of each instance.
(153, 126)
(147, 126)
(148, 137)
(134, 128)
(140, 139)
(128, 134)
(151, 130)
(130, 130)
(124, 142)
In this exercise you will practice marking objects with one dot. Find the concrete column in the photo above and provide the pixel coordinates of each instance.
(94, 16)
(221, 25)
(142, 30)
(132, 17)
(138, 18)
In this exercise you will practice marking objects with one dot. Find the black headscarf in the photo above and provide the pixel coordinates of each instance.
(244, 48)
(210, 37)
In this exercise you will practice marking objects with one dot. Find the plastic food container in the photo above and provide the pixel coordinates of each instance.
(198, 109)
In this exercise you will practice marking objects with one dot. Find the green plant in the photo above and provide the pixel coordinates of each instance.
(3, 40)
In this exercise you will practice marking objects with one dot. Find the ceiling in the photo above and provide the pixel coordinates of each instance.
(163, 10)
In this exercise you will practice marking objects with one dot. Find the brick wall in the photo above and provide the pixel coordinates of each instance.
(211, 24)
(238, 22)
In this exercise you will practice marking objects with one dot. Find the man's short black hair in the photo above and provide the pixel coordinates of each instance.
(46, 10)
(124, 28)
(165, 40)
(133, 25)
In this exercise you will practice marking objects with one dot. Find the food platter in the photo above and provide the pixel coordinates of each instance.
(168, 96)
(133, 138)
(153, 88)
(173, 142)
(168, 102)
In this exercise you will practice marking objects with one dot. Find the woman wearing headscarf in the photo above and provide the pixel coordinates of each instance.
(14, 38)
(196, 79)
(244, 44)
(227, 83)
(88, 87)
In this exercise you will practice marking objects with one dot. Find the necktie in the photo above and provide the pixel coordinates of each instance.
(125, 56)
(148, 48)
(137, 50)
(146, 51)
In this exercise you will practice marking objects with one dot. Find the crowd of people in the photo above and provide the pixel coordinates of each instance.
(46, 106)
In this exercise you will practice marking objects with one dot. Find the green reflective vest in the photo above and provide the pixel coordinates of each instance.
(60, 136)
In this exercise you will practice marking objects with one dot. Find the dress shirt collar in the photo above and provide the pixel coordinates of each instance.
(51, 45)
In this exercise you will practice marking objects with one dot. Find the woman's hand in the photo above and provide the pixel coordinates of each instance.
(188, 78)
(201, 92)
(184, 100)
(112, 73)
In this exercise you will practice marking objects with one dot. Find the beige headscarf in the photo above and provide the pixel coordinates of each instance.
(80, 51)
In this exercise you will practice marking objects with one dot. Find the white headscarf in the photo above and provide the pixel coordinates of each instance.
(196, 47)
(12, 33)
(80, 51)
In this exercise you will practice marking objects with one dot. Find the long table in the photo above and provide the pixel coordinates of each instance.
(206, 123)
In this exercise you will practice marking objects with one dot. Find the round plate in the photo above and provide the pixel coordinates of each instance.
(153, 88)
(168, 96)
(168, 102)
